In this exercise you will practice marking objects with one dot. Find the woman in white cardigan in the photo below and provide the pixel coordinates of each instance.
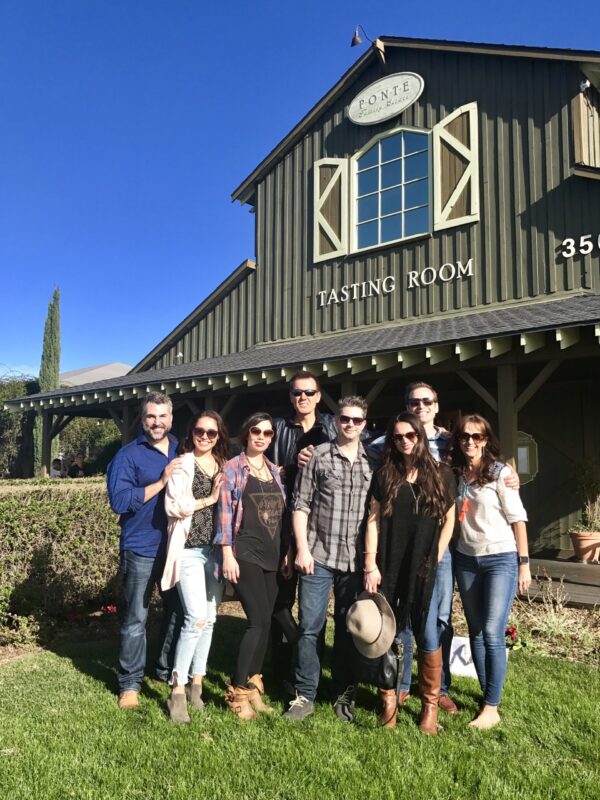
(190, 502)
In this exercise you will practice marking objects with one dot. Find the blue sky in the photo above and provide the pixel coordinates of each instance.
(126, 124)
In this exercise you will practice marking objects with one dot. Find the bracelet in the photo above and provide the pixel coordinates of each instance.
(369, 571)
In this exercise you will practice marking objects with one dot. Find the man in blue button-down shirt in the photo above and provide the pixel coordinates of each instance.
(136, 480)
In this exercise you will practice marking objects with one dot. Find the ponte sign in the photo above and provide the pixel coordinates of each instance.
(386, 98)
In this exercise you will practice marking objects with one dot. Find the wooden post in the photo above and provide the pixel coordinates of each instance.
(126, 430)
(507, 413)
(46, 443)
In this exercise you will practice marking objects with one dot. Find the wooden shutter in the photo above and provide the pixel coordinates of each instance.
(456, 168)
(331, 208)
(586, 128)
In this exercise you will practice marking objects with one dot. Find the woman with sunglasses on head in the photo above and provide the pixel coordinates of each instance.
(249, 528)
(190, 501)
(410, 523)
(491, 554)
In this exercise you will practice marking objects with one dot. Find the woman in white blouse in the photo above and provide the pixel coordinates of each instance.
(491, 554)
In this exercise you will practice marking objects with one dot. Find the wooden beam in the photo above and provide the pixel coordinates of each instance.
(567, 337)
(255, 377)
(329, 401)
(386, 361)
(498, 346)
(184, 386)
(376, 390)
(536, 384)
(597, 332)
(239, 379)
(116, 419)
(360, 364)
(60, 423)
(193, 406)
(219, 382)
(409, 358)
(439, 353)
(507, 413)
(274, 375)
(348, 387)
(316, 369)
(466, 350)
(229, 404)
(334, 368)
(46, 443)
(532, 341)
(480, 390)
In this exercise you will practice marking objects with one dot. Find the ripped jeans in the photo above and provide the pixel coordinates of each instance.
(200, 594)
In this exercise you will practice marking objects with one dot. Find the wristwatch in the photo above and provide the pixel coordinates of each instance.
(523, 560)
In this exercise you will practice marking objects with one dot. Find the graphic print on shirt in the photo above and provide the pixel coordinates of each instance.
(269, 508)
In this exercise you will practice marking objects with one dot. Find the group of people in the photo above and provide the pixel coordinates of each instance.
(310, 504)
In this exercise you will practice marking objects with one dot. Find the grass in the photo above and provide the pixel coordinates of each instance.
(62, 735)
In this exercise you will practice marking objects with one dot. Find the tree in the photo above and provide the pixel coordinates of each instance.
(49, 366)
(16, 429)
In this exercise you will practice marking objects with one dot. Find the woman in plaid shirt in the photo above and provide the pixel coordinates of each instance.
(248, 530)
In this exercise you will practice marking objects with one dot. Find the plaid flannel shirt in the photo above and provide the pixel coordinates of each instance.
(230, 510)
(333, 492)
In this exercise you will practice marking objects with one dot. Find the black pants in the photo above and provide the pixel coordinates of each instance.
(257, 590)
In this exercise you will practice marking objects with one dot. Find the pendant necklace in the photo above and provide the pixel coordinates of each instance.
(415, 498)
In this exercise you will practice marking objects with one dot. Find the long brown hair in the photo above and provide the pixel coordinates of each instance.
(221, 450)
(491, 451)
(393, 473)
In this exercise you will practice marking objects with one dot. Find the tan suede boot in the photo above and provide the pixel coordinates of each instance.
(237, 699)
(194, 695)
(389, 708)
(430, 681)
(257, 687)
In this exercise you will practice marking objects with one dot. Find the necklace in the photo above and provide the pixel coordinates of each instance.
(213, 463)
(262, 472)
(415, 498)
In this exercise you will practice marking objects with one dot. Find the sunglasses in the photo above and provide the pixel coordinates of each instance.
(411, 436)
(211, 433)
(477, 437)
(421, 401)
(255, 431)
(300, 392)
(345, 420)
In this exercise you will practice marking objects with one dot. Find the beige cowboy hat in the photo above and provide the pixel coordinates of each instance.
(372, 625)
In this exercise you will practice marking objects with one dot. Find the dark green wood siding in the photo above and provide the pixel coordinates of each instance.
(529, 202)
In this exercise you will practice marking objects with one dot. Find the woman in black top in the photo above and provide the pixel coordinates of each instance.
(249, 527)
(410, 523)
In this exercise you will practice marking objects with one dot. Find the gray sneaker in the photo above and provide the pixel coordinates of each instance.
(344, 705)
(300, 708)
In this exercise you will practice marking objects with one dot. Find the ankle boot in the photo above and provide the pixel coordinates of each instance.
(177, 705)
(387, 715)
(430, 681)
(257, 688)
(237, 699)
(195, 696)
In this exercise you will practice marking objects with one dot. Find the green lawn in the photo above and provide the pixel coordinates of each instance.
(62, 735)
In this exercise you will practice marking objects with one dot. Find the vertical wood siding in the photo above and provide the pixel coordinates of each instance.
(530, 202)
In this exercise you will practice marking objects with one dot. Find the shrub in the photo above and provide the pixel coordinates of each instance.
(59, 548)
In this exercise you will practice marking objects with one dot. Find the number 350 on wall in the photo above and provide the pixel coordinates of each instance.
(584, 247)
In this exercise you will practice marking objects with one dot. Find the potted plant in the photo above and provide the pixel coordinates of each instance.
(585, 536)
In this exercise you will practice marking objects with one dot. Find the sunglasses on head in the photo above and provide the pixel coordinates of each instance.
(300, 392)
(477, 437)
(346, 420)
(411, 436)
(421, 401)
(256, 431)
(211, 433)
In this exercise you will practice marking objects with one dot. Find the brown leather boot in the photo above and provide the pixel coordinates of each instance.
(257, 687)
(430, 681)
(402, 697)
(389, 708)
(237, 699)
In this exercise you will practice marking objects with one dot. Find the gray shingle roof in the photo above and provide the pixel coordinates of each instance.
(517, 319)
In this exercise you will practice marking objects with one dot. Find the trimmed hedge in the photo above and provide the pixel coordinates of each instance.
(59, 548)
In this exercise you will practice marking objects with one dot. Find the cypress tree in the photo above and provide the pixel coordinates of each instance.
(49, 366)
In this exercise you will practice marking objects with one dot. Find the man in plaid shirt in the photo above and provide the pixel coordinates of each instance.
(328, 510)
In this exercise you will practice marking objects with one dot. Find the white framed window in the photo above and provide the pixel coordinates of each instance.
(392, 189)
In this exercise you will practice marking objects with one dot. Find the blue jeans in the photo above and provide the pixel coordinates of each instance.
(487, 586)
(139, 575)
(313, 597)
(438, 627)
(200, 594)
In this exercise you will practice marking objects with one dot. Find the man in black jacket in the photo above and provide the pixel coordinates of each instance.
(304, 430)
